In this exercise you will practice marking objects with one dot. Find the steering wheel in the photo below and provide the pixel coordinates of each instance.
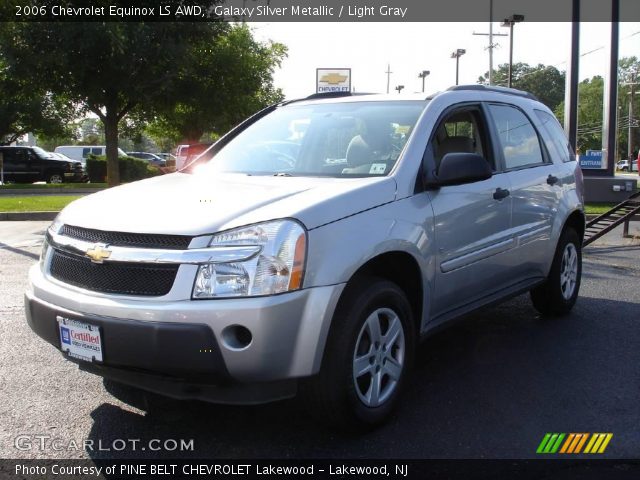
(281, 160)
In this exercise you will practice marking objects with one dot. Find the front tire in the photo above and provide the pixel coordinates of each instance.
(557, 295)
(55, 178)
(366, 359)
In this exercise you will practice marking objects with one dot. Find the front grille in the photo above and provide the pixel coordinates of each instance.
(122, 278)
(123, 239)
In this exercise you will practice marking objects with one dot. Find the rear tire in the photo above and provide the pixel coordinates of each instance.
(368, 353)
(557, 295)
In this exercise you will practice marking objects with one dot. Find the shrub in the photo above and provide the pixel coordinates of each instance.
(131, 169)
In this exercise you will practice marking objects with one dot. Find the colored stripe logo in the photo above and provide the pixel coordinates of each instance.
(574, 443)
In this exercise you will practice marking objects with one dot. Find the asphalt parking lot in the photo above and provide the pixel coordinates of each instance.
(490, 386)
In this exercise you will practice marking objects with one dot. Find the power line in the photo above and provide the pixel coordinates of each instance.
(563, 62)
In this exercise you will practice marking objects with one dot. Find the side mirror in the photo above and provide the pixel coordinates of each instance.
(459, 168)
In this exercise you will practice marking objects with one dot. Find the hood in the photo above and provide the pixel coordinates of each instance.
(187, 204)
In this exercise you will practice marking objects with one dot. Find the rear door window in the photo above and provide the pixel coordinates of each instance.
(518, 138)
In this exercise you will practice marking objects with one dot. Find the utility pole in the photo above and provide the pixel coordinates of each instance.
(388, 72)
(632, 84)
(423, 74)
(491, 44)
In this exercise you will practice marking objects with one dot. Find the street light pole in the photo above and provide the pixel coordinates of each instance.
(457, 54)
(510, 22)
(423, 75)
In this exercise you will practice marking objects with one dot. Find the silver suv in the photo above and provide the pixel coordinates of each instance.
(312, 248)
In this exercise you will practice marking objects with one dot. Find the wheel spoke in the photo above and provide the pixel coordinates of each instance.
(392, 368)
(373, 394)
(395, 328)
(373, 327)
(362, 366)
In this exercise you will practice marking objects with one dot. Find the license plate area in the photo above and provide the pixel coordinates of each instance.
(80, 340)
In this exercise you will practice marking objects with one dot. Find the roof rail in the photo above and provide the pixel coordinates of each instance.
(492, 88)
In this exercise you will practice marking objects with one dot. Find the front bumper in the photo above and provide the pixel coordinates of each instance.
(75, 176)
(178, 348)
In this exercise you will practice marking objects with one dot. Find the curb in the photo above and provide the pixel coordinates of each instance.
(19, 216)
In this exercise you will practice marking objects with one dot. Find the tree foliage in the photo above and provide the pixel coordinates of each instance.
(220, 84)
(203, 76)
(29, 110)
(544, 81)
(591, 109)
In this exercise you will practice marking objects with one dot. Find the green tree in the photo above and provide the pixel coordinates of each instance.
(591, 106)
(25, 109)
(107, 68)
(544, 81)
(223, 83)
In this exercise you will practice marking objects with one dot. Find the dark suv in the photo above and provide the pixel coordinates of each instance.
(33, 164)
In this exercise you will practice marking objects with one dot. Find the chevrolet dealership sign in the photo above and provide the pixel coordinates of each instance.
(333, 80)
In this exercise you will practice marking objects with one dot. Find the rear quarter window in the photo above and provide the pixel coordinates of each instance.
(555, 137)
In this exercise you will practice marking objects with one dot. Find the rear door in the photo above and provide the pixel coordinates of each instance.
(536, 188)
(472, 221)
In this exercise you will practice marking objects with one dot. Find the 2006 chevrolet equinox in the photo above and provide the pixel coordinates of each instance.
(320, 241)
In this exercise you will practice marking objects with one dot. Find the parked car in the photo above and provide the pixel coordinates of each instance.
(623, 165)
(152, 158)
(316, 263)
(167, 156)
(33, 164)
(81, 152)
(181, 155)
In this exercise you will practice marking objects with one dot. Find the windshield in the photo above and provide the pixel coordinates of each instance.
(42, 153)
(340, 140)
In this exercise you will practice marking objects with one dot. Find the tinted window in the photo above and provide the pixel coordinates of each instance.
(518, 138)
(85, 152)
(8, 155)
(556, 140)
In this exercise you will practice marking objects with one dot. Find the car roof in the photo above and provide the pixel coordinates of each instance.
(348, 97)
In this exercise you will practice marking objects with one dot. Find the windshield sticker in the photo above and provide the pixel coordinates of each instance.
(378, 168)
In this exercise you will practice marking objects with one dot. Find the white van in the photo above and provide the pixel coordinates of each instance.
(81, 152)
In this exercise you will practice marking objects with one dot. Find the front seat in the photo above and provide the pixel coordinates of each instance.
(359, 156)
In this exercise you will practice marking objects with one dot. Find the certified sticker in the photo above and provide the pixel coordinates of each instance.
(377, 168)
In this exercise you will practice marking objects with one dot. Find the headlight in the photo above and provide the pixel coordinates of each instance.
(55, 227)
(43, 253)
(278, 268)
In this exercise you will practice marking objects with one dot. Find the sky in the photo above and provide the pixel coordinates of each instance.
(409, 48)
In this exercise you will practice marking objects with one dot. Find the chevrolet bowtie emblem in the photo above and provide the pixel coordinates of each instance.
(333, 78)
(98, 253)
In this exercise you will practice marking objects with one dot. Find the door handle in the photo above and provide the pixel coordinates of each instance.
(551, 180)
(501, 193)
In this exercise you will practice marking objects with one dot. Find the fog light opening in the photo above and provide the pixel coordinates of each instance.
(236, 337)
